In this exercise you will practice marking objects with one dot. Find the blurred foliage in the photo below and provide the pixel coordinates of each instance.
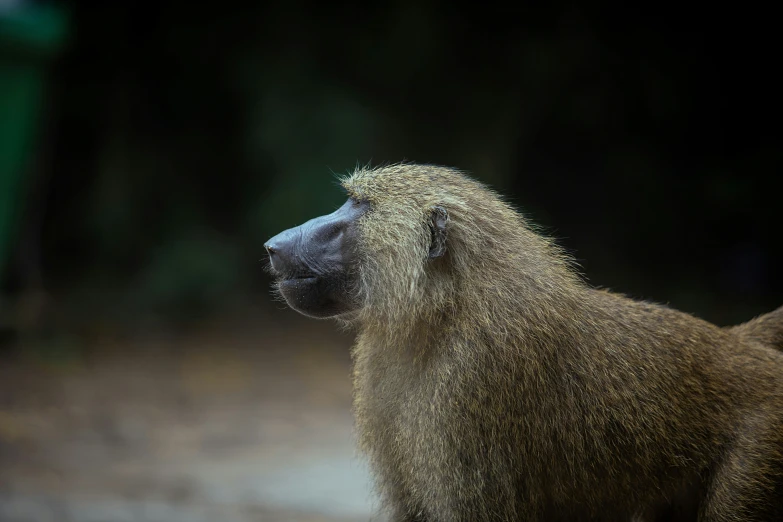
(180, 137)
(189, 274)
(29, 36)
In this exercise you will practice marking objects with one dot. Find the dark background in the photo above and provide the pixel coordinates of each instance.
(177, 138)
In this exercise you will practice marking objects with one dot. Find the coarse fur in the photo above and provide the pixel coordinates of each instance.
(492, 383)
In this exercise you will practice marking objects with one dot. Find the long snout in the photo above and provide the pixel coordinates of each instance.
(317, 247)
(311, 249)
(282, 250)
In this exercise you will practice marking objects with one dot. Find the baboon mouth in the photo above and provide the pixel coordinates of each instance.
(298, 279)
(297, 275)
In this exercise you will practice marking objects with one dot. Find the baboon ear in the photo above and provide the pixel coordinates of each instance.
(439, 218)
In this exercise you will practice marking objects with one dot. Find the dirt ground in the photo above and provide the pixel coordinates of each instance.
(222, 424)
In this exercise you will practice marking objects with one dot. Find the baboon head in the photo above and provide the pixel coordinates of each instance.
(385, 234)
(401, 243)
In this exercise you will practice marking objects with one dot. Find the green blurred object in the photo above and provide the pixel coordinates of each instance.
(29, 36)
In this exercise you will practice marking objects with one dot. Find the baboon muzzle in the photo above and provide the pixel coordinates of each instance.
(285, 254)
(311, 261)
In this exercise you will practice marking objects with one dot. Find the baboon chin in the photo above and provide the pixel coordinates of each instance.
(493, 384)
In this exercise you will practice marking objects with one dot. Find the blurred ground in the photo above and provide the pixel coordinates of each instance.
(225, 424)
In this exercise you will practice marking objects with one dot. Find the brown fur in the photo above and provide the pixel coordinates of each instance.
(493, 384)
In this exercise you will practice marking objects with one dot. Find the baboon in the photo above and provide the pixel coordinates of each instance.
(493, 384)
